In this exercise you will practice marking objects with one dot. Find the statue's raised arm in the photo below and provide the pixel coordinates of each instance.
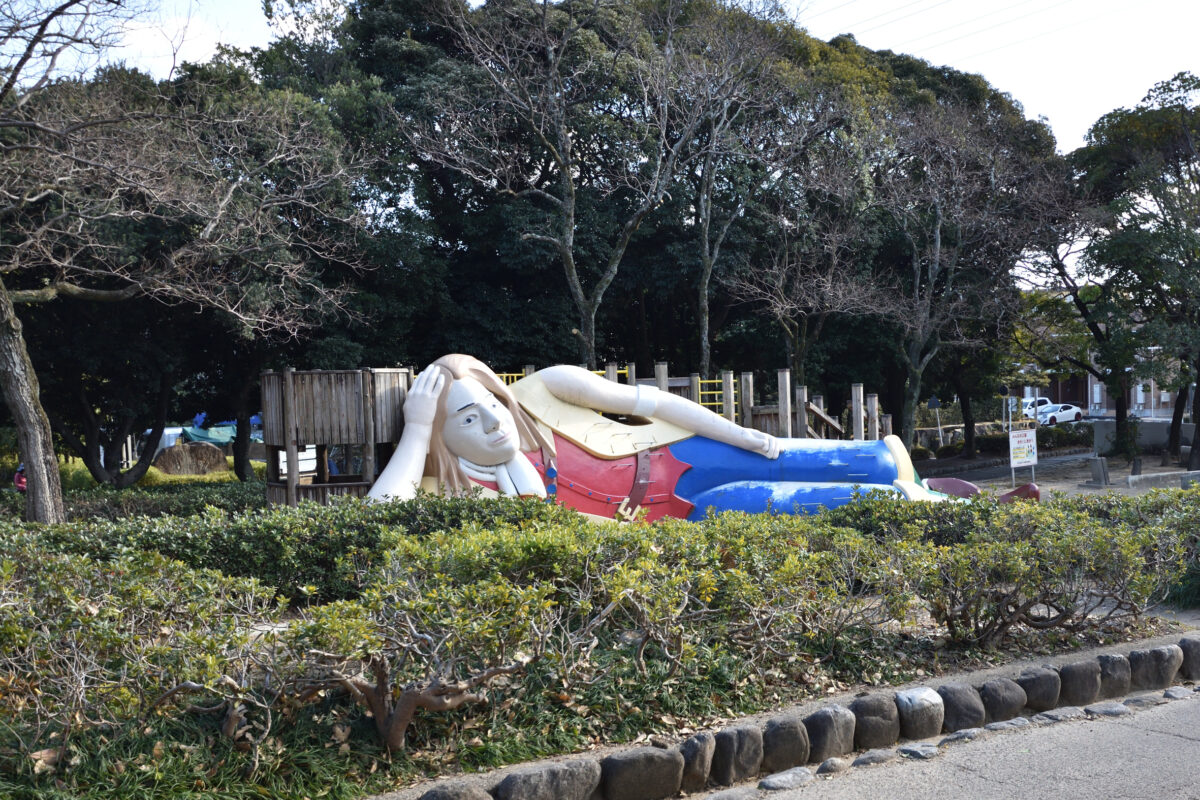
(586, 389)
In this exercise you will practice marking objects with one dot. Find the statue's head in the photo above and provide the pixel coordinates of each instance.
(478, 420)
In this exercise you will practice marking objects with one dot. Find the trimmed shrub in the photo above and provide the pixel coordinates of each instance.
(919, 453)
(949, 450)
(85, 642)
(589, 630)
(992, 443)
(313, 552)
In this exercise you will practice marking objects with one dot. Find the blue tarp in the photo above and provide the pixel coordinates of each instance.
(220, 436)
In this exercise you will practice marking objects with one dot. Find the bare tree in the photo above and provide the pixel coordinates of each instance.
(951, 186)
(563, 100)
(735, 44)
(235, 194)
(816, 233)
(1080, 316)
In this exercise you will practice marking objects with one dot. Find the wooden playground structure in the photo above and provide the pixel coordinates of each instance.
(356, 414)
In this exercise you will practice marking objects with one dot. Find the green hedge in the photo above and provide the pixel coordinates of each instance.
(184, 499)
(86, 643)
(577, 632)
(312, 552)
(1049, 437)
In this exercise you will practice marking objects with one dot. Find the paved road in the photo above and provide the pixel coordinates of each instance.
(1051, 465)
(1153, 753)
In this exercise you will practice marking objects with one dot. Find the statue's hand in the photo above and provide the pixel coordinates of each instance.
(759, 442)
(420, 406)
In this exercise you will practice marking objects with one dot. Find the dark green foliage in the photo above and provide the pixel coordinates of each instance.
(949, 450)
(919, 453)
(1050, 437)
(623, 629)
(173, 500)
(312, 551)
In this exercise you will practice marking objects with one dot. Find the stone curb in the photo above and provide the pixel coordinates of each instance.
(827, 736)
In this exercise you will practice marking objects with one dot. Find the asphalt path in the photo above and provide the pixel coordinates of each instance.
(1153, 753)
(1045, 466)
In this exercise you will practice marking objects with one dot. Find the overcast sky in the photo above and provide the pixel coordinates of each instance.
(1069, 61)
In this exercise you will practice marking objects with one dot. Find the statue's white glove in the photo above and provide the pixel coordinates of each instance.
(420, 405)
(759, 442)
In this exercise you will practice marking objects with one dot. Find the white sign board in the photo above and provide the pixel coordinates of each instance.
(1022, 448)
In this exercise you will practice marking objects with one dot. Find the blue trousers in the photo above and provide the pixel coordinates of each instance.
(809, 474)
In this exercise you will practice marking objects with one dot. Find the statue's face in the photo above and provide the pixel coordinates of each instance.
(478, 427)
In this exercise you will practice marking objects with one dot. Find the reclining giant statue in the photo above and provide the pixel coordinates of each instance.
(612, 450)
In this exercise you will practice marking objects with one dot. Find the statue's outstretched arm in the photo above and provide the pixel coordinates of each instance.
(582, 388)
(401, 478)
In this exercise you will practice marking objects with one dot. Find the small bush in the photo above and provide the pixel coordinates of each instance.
(949, 450)
(992, 443)
(919, 453)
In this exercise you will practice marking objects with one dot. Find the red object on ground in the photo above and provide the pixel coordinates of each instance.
(1029, 491)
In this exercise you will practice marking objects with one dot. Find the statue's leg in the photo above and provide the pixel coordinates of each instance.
(780, 497)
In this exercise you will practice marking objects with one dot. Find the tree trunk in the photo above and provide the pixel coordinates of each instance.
(702, 313)
(968, 416)
(150, 446)
(18, 381)
(1194, 456)
(1175, 434)
(102, 455)
(1122, 436)
(915, 366)
(908, 414)
(587, 336)
(241, 440)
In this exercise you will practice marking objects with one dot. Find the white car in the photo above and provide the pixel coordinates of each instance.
(1033, 406)
(1061, 412)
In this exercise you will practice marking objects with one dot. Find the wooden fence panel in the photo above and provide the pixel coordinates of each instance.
(390, 388)
(272, 408)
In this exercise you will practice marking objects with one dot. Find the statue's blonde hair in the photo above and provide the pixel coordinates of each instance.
(443, 465)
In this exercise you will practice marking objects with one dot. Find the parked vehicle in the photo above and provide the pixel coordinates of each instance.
(1033, 406)
(1060, 412)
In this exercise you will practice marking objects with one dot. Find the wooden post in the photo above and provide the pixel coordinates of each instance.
(886, 424)
(747, 400)
(631, 373)
(368, 395)
(610, 371)
(695, 387)
(818, 402)
(661, 378)
(289, 436)
(856, 411)
(785, 403)
(727, 407)
(872, 416)
(530, 369)
(801, 412)
(322, 475)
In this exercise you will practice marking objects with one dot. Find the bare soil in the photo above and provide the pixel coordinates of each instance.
(1072, 477)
